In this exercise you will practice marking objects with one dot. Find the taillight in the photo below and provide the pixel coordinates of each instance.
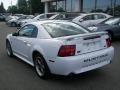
(67, 50)
(108, 42)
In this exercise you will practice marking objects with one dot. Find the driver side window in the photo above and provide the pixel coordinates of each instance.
(88, 17)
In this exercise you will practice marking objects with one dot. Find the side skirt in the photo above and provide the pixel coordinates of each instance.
(25, 60)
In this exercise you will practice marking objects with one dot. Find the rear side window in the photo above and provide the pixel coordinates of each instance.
(49, 15)
(42, 16)
(60, 17)
(89, 17)
(63, 29)
(99, 16)
(71, 16)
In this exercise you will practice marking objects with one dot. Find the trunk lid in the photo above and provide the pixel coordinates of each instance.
(86, 43)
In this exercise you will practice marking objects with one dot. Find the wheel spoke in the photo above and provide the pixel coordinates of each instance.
(39, 62)
(40, 66)
(8, 48)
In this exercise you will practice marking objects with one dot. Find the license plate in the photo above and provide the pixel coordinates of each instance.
(92, 45)
(89, 43)
(93, 42)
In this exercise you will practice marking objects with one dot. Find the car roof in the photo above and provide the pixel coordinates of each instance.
(94, 13)
(49, 13)
(79, 13)
(47, 21)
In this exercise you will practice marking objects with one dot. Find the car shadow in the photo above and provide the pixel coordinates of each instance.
(83, 77)
(90, 75)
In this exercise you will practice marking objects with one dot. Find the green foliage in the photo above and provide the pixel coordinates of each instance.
(22, 6)
(22, 3)
(2, 9)
(36, 6)
(27, 7)
(12, 9)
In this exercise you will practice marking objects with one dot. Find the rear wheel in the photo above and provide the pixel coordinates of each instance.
(41, 66)
(9, 49)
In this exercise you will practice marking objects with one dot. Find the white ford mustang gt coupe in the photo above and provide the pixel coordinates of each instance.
(60, 47)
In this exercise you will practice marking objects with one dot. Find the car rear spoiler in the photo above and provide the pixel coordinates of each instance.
(86, 36)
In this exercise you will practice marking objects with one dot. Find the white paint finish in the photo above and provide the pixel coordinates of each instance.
(76, 64)
(49, 48)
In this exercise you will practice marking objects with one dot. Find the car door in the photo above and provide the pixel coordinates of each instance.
(22, 43)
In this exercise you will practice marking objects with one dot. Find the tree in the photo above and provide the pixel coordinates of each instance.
(36, 6)
(2, 9)
(12, 9)
(22, 3)
(22, 6)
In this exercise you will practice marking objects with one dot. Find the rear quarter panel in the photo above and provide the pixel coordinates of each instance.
(49, 48)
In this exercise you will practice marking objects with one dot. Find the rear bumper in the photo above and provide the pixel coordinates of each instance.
(81, 63)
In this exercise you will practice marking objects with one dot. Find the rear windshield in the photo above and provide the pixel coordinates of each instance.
(61, 29)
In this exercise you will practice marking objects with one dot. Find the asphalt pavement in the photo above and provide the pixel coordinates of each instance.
(17, 75)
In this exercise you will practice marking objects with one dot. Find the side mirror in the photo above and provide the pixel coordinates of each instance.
(15, 34)
(81, 20)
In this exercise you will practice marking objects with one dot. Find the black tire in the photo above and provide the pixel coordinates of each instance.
(41, 67)
(9, 49)
(13, 24)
